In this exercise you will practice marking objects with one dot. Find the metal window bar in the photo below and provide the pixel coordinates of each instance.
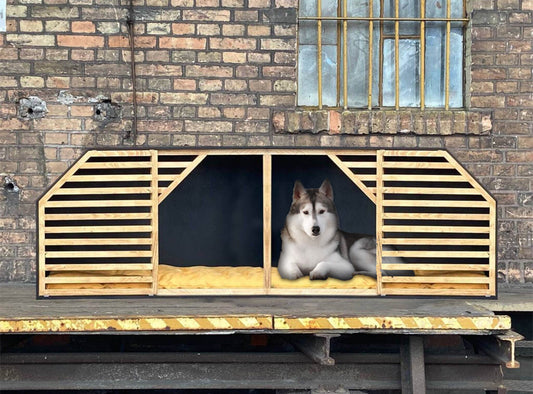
(343, 18)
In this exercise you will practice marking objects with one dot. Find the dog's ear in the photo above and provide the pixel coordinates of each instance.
(298, 191)
(326, 189)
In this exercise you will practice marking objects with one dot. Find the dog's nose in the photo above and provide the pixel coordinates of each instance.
(315, 230)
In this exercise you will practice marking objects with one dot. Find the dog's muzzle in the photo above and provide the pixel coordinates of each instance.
(315, 230)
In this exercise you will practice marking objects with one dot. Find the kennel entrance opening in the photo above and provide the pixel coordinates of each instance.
(99, 223)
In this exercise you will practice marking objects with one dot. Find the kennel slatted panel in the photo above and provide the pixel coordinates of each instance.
(430, 211)
(98, 223)
(435, 216)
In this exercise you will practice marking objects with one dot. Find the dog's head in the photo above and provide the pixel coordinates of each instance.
(313, 210)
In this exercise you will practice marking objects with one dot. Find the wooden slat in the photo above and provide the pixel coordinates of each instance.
(435, 253)
(424, 178)
(407, 291)
(97, 216)
(113, 165)
(155, 221)
(119, 153)
(97, 279)
(97, 241)
(436, 216)
(98, 292)
(267, 220)
(434, 267)
(435, 279)
(366, 177)
(379, 221)
(430, 190)
(97, 229)
(413, 153)
(99, 267)
(97, 203)
(437, 241)
(436, 203)
(99, 254)
(168, 177)
(111, 178)
(436, 229)
(102, 190)
(418, 165)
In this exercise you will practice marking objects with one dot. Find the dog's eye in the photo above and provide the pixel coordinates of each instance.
(305, 212)
(322, 211)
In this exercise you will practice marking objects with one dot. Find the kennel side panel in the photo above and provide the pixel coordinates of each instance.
(361, 172)
(98, 227)
(438, 221)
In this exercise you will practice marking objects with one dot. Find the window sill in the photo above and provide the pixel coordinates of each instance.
(361, 122)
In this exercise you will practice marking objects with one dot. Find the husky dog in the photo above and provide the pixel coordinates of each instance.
(313, 245)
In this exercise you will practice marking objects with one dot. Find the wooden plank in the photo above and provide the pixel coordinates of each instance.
(97, 279)
(97, 292)
(418, 165)
(435, 267)
(182, 176)
(424, 178)
(431, 190)
(41, 260)
(97, 203)
(155, 222)
(115, 165)
(437, 229)
(98, 216)
(446, 292)
(435, 279)
(102, 190)
(267, 220)
(97, 241)
(168, 177)
(379, 220)
(436, 203)
(413, 153)
(359, 164)
(436, 216)
(111, 178)
(99, 254)
(493, 247)
(97, 229)
(437, 241)
(353, 177)
(98, 267)
(120, 153)
(434, 253)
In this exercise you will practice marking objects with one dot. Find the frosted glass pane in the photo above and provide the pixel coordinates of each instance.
(435, 62)
(409, 71)
(437, 8)
(358, 66)
(308, 8)
(407, 9)
(329, 75)
(307, 33)
(307, 76)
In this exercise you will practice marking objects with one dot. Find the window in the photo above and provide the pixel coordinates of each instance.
(397, 53)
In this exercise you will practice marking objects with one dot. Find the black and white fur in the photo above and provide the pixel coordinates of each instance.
(313, 244)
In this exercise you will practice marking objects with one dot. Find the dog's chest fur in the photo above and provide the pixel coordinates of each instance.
(305, 251)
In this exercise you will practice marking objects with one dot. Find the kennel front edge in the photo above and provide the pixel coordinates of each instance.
(98, 225)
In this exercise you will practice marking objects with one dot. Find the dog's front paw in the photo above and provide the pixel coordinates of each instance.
(318, 273)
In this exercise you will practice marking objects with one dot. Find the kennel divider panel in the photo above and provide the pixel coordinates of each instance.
(437, 217)
(96, 226)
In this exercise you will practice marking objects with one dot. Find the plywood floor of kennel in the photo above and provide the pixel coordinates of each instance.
(98, 228)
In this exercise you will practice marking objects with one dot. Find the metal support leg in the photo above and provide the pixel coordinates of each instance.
(413, 365)
(500, 347)
(316, 347)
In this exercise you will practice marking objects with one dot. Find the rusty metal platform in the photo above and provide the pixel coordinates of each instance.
(22, 312)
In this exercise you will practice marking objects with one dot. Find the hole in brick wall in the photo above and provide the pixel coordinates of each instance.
(10, 186)
(106, 112)
(32, 108)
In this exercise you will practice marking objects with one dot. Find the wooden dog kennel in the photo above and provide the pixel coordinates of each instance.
(98, 225)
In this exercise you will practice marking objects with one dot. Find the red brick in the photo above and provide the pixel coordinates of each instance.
(83, 27)
(182, 42)
(80, 41)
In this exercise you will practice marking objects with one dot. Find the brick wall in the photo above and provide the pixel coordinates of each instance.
(222, 73)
